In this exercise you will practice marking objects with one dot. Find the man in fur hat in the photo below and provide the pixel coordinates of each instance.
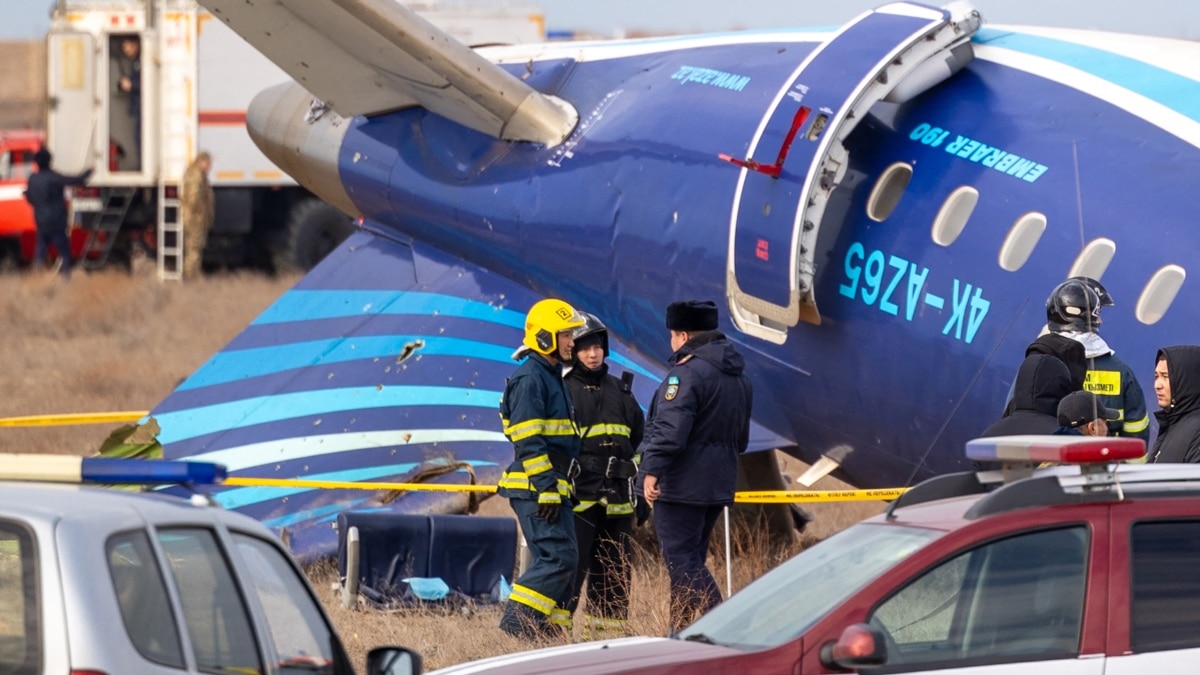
(699, 423)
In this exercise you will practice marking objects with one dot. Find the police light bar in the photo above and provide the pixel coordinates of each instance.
(1060, 449)
(69, 469)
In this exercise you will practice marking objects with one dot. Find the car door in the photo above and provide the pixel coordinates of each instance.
(1155, 587)
(1003, 604)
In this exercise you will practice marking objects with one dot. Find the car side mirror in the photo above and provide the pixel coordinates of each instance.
(860, 646)
(393, 661)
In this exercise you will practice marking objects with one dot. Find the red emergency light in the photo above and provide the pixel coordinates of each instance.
(1059, 449)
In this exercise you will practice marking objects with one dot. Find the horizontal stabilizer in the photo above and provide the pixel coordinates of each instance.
(363, 57)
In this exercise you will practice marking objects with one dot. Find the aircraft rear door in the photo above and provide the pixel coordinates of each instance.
(71, 122)
(797, 157)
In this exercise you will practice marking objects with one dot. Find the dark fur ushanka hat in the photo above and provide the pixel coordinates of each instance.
(692, 316)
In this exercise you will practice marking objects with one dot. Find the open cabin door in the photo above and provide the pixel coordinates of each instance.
(797, 158)
(71, 121)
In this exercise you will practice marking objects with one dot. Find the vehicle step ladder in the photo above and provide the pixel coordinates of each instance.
(170, 233)
(105, 227)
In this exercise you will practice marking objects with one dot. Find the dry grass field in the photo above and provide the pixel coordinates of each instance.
(111, 341)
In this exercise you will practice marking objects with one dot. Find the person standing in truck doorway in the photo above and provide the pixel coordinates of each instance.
(126, 74)
(196, 204)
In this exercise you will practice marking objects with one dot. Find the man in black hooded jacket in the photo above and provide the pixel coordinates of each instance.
(699, 422)
(1177, 388)
(1042, 382)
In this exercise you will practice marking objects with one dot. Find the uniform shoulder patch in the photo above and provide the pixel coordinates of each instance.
(671, 392)
(672, 380)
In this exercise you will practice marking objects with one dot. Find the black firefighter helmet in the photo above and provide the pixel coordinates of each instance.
(592, 330)
(1074, 305)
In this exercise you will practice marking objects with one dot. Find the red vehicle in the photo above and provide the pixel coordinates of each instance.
(1077, 569)
(17, 229)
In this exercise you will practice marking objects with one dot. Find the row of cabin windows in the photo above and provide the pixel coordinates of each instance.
(1156, 296)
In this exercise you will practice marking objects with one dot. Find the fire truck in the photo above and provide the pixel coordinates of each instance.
(17, 228)
(138, 88)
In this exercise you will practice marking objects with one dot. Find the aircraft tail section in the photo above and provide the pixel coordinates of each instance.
(385, 364)
(363, 57)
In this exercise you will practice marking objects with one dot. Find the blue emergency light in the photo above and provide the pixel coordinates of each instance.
(1059, 449)
(68, 469)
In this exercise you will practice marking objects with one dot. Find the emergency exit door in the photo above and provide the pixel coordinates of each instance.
(797, 158)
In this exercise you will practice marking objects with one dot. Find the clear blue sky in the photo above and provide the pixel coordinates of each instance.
(1172, 18)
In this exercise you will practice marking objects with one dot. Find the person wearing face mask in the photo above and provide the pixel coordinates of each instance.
(610, 424)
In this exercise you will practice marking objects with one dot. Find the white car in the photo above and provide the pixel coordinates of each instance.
(99, 581)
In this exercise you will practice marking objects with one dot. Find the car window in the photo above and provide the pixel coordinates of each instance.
(214, 611)
(302, 638)
(1165, 594)
(783, 603)
(1008, 600)
(20, 631)
(142, 597)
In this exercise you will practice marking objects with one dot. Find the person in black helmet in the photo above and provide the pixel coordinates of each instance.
(610, 423)
(1073, 310)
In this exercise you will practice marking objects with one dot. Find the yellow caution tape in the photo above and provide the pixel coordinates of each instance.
(350, 485)
(755, 497)
(73, 418)
(809, 496)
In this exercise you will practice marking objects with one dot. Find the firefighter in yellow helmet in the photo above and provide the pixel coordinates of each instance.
(538, 418)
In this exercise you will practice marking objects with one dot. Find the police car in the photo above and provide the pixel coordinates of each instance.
(1090, 566)
(97, 581)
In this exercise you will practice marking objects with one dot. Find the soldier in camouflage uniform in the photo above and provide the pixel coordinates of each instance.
(196, 213)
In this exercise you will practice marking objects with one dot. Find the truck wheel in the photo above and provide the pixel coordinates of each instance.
(313, 230)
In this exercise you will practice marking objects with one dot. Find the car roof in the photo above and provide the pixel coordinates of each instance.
(52, 502)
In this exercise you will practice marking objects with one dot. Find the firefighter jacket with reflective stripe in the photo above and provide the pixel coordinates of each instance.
(611, 423)
(1114, 383)
(537, 417)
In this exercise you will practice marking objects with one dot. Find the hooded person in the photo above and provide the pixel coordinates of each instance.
(1072, 355)
(1043, 380)
(1177, 389)
(698, 424)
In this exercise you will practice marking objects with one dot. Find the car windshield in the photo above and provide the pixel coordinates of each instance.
(785, 602)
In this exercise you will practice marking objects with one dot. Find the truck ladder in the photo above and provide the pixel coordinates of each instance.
(105, 227)
(170, 234)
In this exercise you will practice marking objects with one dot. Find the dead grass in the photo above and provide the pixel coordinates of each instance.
(110, 341)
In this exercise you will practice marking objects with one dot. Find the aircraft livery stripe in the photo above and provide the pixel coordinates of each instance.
(247, 496)
(233, 365)
(1162, 86)
(184, 424)
(289, 449)
(301, 305)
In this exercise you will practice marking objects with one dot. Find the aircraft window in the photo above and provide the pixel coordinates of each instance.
(888, 190)
(1021, 240)
(1159, 293)
(1093, 260)
(954, 214)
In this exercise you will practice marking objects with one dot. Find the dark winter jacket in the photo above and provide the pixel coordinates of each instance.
(1113, 382)
(699, 422)
(1069, 351)
(1179, 423)
(611, 424)
(1042, 381)
(538, 418)
(45, 193)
